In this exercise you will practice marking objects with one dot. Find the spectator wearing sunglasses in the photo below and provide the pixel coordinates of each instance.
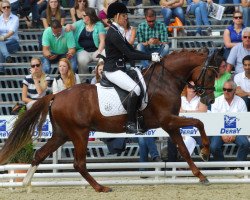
(242, 81)
(9, 24)
(238, 52)
(35, 84)
(229, 102)
(152, 36)
(233, 33)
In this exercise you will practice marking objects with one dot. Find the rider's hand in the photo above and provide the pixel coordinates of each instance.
(155, 57)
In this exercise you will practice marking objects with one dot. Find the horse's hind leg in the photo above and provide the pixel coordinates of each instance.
(80, 142)
(52, 144)
(178, 140)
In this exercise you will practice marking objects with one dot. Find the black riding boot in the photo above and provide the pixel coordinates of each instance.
(131, 110)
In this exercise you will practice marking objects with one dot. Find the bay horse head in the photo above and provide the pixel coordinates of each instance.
(199, 66)
(204, 76)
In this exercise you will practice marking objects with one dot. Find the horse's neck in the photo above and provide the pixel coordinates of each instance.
(162, 81)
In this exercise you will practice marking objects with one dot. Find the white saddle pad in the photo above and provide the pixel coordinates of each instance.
(110, 103)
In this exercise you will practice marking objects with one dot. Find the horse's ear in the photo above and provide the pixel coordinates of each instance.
(221, 51)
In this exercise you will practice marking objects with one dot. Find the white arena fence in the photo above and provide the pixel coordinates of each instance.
(114, 174)
(128, 173)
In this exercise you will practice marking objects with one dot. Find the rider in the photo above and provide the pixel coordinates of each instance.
(118, 52)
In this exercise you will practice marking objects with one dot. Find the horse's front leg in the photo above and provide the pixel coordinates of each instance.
(183, 121)
(174, 123)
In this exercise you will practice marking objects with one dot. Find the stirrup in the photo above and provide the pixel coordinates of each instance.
(131, 128)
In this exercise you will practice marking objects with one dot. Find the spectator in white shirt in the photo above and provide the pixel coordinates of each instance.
(229, 102)
(67, 78)
(242, 81)
(238, 52)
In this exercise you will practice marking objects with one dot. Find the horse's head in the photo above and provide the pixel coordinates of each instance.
(204, 76)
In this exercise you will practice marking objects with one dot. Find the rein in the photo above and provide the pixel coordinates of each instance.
(150, 77)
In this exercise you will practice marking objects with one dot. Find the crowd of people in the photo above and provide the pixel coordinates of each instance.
(107, 32)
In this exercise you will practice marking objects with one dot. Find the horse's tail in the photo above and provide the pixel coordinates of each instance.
(24, 127)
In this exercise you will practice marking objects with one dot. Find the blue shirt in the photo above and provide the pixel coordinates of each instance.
(234, 36)
(11, 25)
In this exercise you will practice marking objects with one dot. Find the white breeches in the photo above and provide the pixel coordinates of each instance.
(122, 80)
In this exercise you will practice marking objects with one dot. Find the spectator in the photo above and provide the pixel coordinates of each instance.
(199, 9)
(42, 5)
(77, 11)
(30, 6)
(89, 34)
(246, 12)
(148, 146)
(9, 24)
(171, 9)
(1, 8)
(98, 72)
(130, 33)
(242, 81)
(152, 36)
(52, 12)
(229, 102)
(221, 78)
(190, 103)
(103, 13)
(35, 84)
(96, 4)
(233, 33)
(238, 52)
(66, 78)
(57, 44)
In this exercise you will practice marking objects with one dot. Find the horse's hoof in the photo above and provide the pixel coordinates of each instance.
(205, 157)
(104, 189)
(205, 182)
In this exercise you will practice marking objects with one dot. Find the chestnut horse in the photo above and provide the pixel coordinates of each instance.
(75, 112)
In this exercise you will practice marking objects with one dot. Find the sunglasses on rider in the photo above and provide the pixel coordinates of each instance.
(35, 65)
(227, 89)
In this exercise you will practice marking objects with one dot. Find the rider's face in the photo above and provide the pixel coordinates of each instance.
(122, 19)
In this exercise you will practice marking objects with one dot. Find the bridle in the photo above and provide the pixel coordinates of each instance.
(201, 88)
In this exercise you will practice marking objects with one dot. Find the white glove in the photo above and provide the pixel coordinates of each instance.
(1, 38)
(155, 57)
